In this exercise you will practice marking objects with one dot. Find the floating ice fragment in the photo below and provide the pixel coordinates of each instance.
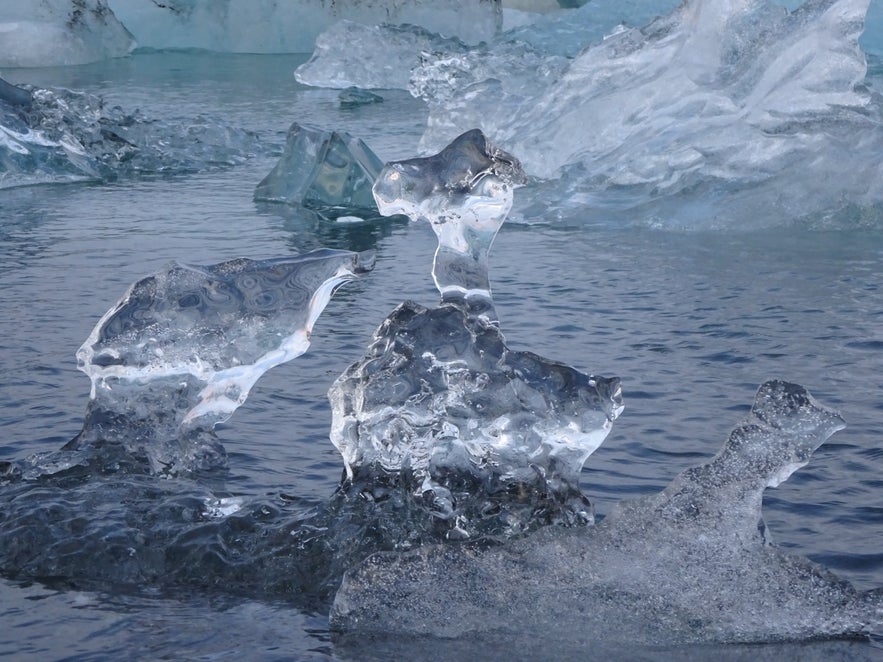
(327, 171)
(465, 192)
(181, 350)
(356, 96)
(62, 136)
(684, 566)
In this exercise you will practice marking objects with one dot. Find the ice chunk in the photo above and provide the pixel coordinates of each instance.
(181, 350)
(670, 569)
(62, 136)
(60, 32)
(464, 192)
(379, 56)
(439, 403)
(269, 26)
(356, 96)
(328, 171)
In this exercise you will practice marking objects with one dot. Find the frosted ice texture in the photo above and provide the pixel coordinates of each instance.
(62, 135)
(439, 402)
(270, 26)
(60, 32)
(687, 565)
(330, 172)
(464, 192)
(181, 350)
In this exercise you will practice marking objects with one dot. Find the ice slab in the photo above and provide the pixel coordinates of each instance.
(330, 172)
(684, 566)
(60, 32)
(181, 350)
(269, 26)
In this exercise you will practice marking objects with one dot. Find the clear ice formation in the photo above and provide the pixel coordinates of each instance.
(687, 565)
(439, 401)
(352, 97)
(329, 172)
(269, 26)
(60, 32)
(61, 136)
(181, 350)
(464, 192)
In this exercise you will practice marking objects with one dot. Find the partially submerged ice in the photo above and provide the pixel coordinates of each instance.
(181, 350)
(60, 32)
(687, 565)
(329, 172)
(439, 402)
(58, 136)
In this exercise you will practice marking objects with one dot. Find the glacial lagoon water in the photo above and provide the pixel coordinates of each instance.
(691, 321)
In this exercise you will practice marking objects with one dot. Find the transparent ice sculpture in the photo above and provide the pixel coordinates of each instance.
(439, 401)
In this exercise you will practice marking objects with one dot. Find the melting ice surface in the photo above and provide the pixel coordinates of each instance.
(740, 113)
(57, 136)
(687, 565)
(181, 350)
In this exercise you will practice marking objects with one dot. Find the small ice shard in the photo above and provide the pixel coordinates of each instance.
(680, 567)
(329, 172)
(60, 32)
(356, 96)
(181, 350)
(465, 192)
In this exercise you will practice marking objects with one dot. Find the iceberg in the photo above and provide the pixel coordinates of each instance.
(181, 350)
(688, 565)
(439, 403)
(736, 110)
(60, 32)
(268, 26)
(330, 172)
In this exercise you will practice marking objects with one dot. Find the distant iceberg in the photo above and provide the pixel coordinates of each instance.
(270, 26)
(60, 32)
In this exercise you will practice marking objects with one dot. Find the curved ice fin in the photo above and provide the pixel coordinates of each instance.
(181, 350)
(465, 193)
(785, 426)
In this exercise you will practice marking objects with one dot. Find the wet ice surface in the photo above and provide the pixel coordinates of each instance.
(691, 323)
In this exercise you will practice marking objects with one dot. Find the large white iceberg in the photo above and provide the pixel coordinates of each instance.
(60, 32)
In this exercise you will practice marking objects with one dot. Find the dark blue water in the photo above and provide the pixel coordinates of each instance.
(691, 322)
